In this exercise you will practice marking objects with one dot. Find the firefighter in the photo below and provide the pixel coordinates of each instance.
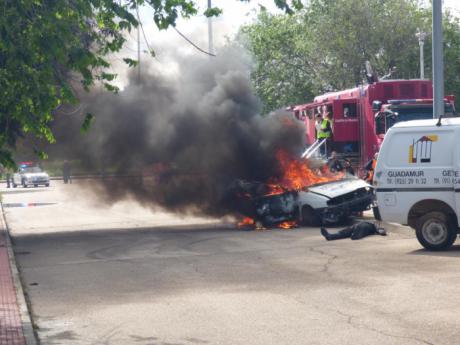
(348, 168)
(334, 163)
(323, 131)
(66, 172)
(370, 168)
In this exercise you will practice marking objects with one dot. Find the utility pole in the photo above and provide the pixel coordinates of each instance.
(438, 62)
(421, 42)
(210, 38)
(138, 46)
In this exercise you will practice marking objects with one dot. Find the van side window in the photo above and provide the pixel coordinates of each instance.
(349, 110)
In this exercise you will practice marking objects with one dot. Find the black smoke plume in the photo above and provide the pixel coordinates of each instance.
(189, 135)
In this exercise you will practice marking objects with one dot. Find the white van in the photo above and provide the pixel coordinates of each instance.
(417, 179)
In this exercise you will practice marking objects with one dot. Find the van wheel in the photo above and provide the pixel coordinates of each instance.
(310, 217)
(435, 231)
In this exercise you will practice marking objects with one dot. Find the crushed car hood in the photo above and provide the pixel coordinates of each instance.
(337, 188)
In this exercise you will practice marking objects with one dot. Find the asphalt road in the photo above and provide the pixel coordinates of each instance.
(126, 275)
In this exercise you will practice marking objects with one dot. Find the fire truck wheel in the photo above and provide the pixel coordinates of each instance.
(310, 217)
(435, 231)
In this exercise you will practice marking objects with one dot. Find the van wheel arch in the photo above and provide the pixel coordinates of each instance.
(430, 205)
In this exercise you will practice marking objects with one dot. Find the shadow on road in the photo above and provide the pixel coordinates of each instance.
(454, 251)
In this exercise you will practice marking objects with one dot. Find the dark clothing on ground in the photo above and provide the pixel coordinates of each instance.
(355, 232)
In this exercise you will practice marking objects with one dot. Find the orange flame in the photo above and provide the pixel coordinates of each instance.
(247, 221)
(288, 224)
(296, 174)
(274, 189)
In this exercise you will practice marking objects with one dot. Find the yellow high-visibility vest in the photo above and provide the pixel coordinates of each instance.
(321, 134)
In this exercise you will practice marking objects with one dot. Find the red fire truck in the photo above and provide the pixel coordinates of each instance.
(362, 115)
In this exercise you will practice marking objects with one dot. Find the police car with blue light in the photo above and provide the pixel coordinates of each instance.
(30, 174)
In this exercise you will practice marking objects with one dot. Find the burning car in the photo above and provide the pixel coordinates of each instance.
(324, 203)
(301, 194)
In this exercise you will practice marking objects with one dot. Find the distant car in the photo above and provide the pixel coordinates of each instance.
(325, 203)
(30, 176)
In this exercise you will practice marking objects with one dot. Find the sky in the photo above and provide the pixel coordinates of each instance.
(235, 14)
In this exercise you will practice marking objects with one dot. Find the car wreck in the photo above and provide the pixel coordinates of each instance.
(323, 203)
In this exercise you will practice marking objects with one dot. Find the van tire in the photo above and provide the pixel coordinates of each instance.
(436, 231)
(310, 217)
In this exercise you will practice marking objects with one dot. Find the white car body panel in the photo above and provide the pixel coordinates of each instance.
(29, 178)
(314, 200)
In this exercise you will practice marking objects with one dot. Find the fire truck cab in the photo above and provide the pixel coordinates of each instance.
(406, 110)
(361, 116)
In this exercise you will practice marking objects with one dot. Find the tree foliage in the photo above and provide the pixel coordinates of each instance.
(324, 47)
(47, 48)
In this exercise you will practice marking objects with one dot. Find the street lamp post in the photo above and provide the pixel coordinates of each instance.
(421, 42)
(438, 61)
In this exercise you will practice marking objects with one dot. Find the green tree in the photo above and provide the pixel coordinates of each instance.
(283, 70)
(325, 46)
(49, 47)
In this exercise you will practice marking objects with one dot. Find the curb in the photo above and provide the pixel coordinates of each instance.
(26, 320)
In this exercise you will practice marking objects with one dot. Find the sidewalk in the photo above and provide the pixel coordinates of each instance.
(15, 325)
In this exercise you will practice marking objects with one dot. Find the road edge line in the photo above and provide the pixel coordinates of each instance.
(26, 319)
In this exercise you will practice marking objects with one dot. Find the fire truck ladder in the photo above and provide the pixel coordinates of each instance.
(314, 149)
